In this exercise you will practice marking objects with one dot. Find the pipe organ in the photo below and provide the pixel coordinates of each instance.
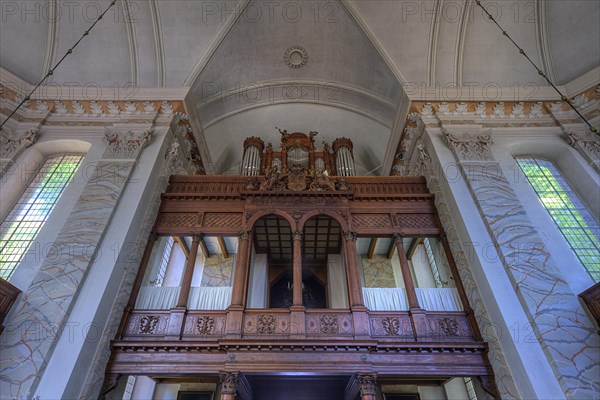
(298, 151)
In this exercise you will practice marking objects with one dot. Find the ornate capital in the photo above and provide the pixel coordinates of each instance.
(197, 237)
(11, 144)
(229, 382)
(349, 235)
(125, 145)
(470, 146)
(244, 235)
(297, 235)
(367, 383)
(587, 144)
(398, 238)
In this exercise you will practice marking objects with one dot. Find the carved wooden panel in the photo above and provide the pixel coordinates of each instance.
(147, 324)
(448, 327)
(391, 326)
(416, 221)
(177, 220)
(223, 220)
(371, 221)
(267, 324)
(329, 324)
(209, 326)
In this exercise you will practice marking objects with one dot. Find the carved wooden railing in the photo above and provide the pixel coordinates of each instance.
(591, 298)
(319, 324)
(8, 295)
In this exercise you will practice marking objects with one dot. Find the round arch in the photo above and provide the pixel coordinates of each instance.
(335, 216)
(260, 214)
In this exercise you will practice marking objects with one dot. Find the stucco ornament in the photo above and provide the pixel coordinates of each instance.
(296, 57)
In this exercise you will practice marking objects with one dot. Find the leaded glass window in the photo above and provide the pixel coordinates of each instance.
(577, 225)
(23, 223)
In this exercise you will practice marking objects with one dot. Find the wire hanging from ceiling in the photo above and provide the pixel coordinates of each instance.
(539, 70)
(51, 71)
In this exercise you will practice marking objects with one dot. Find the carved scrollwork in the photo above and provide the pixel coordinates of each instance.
(470, 147)
(148, 324)
(205, 325)
(391, 326)
(329, 324)
(265, 324)
(448, 327)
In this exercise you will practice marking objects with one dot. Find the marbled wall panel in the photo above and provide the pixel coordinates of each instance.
(218, 271)
(378, 272)
(557, 318)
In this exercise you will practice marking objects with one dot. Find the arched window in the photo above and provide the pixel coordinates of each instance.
(575, 222)
(33, 208)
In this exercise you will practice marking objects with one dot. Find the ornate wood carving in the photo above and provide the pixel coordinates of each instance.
(329, 324)
(223, 220)
(266, 324)
(370, 221)
(203, 325)
(147, 324)
(367, 384)
(177, 220)
(229, 382)
(391, 325)
(449, 326)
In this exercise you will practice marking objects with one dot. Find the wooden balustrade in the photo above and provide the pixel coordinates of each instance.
(8, 295)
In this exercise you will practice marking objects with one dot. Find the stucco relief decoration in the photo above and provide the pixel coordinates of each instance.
(148, 324)
(470, 147)
(586, 142)
(125, 145)
(11, 143)
(329, 324)
(296, 57)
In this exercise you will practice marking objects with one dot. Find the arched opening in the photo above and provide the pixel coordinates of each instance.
(323, 275)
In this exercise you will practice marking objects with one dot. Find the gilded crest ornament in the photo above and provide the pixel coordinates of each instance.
(296, 178)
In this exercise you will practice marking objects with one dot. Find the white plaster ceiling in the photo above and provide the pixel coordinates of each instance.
(363, 55)
(168, 40)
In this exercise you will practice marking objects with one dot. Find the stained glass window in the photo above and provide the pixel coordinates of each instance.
(27, 217)
(577, 225)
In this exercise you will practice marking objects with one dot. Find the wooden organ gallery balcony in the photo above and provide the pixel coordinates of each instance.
(410, 343)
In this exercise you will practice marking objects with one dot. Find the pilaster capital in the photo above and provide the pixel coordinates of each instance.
(367, 383)
(348, 235)
(125, 145)
(297, 235)
(244, 235)
(398, 238)
(12, 143)
(197, 237)
(229, 382)
(470, 146)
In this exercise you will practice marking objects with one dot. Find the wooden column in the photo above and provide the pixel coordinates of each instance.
(188, 273)
(352, 270)
(367, 384)
(229, 383)
(413, 302)
(297, 269)
(137, 284)
(241, 266)
(460, 288)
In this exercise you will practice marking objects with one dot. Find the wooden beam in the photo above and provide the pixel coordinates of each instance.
(372, 246)
(391, 249)
(183, 244)
(204, 248)
(223, 246)
(413, 246)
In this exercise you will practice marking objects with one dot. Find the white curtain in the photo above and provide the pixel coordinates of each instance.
(157, 298)
(394, 299)
(209, 298)
(439, 299)
(385, 299)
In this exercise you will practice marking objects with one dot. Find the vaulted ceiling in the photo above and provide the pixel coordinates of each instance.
(363, 57)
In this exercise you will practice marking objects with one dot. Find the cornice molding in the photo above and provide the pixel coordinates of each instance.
(159, 47)
(541, 32)
(132, 42)
(55, 92)
(433, 42)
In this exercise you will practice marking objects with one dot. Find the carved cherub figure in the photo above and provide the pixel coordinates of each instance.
(272, 179)
(321, 181)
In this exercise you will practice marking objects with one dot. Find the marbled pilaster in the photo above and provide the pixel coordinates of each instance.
(555, 314)
(42, 311)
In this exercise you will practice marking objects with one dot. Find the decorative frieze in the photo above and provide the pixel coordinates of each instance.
(391, 326)
(147, 325)
(330, 324)
(267, 324)
(212, 325)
